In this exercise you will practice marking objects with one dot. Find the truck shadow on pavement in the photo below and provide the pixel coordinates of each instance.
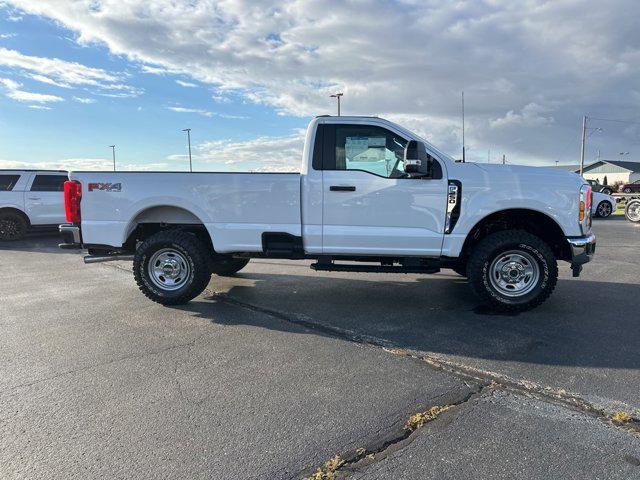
(585, 323)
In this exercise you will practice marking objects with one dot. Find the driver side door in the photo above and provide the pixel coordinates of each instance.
(370, 207)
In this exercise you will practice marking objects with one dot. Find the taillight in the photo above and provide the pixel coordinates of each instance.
(72, 198)
(584, 212)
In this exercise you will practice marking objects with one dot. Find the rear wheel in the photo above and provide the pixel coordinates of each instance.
(171, 267)
(12, 226)
(228, 266)
(512, 271)
(627, 190)
(604, 209)
(607, 191)
(632, 211)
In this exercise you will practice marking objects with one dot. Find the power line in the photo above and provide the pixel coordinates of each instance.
(614, 120)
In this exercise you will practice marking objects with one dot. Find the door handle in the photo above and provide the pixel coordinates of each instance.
(342, 188)
(34, 198)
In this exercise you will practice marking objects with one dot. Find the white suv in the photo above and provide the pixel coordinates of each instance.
(30, 198)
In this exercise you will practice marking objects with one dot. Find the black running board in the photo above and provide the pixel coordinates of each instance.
(338, 267)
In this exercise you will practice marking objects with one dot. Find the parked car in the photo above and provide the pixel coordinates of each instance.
(603, 205)
(30, 198)
(630, 187)
(371, 197)
(598, 187)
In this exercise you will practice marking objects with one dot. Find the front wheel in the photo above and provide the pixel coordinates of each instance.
(607, 191)
(604, 209)
(632, 211)
(512, 271)
(171, 267)
(627, 190)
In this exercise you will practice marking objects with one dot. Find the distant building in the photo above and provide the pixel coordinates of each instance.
(614, 170)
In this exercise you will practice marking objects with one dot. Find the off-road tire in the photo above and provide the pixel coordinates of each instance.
(228, 266)
(492, 247)
(192, 249)
(12, 226)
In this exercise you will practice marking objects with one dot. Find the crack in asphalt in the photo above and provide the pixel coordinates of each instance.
(464, 372)
(101, 364)
(378, 450)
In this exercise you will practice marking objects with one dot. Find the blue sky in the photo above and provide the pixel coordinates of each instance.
(144, 128)
(247, 75)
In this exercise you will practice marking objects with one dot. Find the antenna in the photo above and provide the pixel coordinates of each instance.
(463, 149)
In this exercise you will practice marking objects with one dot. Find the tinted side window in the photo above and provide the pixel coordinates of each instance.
(7, 182)
(49, 183)
(371, 149)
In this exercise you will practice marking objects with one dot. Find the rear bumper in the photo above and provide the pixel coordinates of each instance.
(71, 236)
(582, 250)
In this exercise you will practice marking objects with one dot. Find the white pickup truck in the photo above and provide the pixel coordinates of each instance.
(30, 199)
(370, 197)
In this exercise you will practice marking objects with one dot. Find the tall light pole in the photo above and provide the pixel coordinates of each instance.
(584, 132)
(188, 130)
(113, 151)
(337, 95)
(464, 157)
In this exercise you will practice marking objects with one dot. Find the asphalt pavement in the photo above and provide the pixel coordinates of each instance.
(273, 372)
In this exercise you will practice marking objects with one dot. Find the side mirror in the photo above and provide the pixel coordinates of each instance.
(417, 162)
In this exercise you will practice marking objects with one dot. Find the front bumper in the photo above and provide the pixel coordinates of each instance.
(582, 250)
(71, 237)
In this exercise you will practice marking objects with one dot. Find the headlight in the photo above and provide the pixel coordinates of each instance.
(584, 214)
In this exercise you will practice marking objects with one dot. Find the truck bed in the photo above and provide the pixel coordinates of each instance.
(236, 208)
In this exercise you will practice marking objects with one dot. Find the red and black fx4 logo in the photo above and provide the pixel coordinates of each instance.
(106, 187)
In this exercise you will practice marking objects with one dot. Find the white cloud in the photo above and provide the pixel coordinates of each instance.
(100, 164)
(84, 100)
(404, 58)
(263, 154)
(529, 116)
(66, 74)
(39, 107)
(5, 36)
(14, 92)
(186, 84)
(204, 113)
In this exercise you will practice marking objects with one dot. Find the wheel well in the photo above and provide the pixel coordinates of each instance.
(165, 217)
(17, 212)
(534, 222)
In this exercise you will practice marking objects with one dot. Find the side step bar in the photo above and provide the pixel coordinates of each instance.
(335, 267)
(108, 258)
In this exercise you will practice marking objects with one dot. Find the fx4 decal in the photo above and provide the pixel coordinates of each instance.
(107, 187)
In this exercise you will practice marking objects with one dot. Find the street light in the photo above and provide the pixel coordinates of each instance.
(337, 95)
(188, 130)
(113, 151)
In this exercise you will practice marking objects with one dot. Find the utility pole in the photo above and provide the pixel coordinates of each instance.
(584, 132)
(489, 156)
(557, 163)
(504, 159)
(464, 157)
(188, 130)
(337, 95)
(113, 151)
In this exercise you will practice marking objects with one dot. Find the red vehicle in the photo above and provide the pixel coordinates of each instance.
(630, 187)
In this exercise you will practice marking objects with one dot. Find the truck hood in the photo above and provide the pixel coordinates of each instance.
(535, 175)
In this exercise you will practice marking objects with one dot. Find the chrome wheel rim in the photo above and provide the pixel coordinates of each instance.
(169, 269)
(633, 212)
(514, 273)
(604, 209)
